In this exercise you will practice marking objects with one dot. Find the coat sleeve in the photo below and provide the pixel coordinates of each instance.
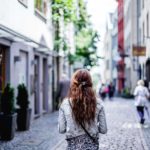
(102, 126)
(61, 121)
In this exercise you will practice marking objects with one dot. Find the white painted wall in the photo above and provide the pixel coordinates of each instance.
(24, 21)
(130, 39)
(143, 19)
(108, 57)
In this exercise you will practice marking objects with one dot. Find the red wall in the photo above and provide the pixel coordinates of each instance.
(121, 44)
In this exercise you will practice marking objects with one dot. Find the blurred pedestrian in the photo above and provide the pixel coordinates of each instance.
(102, 91)
(146, 84)
(141, 99)
(81, 115)
(111, 90)
(63, 89)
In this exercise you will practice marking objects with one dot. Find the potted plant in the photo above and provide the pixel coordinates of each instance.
(126, 93)
(7, 115)
(24, 112)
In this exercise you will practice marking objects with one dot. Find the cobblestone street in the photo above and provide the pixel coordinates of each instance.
(124, 131)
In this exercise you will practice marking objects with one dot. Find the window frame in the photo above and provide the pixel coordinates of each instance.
(41, 14)
(24, 3)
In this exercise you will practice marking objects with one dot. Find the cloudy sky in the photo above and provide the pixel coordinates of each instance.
(99, 10)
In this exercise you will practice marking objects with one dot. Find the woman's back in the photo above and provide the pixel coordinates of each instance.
(68, 125)
(81, 115)
(141, 91)
(141, 94)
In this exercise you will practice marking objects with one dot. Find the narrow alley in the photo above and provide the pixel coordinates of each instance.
(124, 131)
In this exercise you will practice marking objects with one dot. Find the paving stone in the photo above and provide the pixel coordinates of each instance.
(124, 131)
(42, 135)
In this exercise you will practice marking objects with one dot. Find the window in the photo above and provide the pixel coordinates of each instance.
(41, 6)
(139, 37)
(143, 4)
(143, 33)
(139, 7)
(23, 2)
(147, 24)
(107, 64)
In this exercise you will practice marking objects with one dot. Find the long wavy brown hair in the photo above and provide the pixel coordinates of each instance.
(82, 97)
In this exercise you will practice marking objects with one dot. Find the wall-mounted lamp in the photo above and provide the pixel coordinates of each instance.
(17, 59)
(33, 62)
(50, 66)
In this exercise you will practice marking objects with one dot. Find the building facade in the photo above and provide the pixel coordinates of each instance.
(130, 41)
(26, 50)
(111, 50)
(136, 42)
(114, 48)
(108, 54)
(144, 38)
(121, 51)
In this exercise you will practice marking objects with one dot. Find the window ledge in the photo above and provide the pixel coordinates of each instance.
(40, 15)
(23, 3)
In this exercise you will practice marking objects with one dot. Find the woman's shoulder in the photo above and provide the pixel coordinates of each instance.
(64, 103)
(99, 103)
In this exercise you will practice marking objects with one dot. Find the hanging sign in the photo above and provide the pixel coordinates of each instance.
(139, 51)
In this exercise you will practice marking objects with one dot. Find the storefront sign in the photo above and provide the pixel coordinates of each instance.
(139, 51)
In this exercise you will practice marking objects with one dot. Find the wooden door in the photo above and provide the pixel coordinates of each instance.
(2, 68)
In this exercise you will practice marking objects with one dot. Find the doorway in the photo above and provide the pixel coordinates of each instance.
(23, 74)
(55, 81)
(2, 68)
(45, 85)
(36, 86)
(148, 71)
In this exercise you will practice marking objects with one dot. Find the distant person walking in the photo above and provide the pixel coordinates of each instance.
(81, 115)
(63, 89)
(102, 91)
(111, 90)
(146, 84)
(141, 99)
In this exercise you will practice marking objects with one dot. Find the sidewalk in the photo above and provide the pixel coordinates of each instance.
(43, 135)
(124, 131)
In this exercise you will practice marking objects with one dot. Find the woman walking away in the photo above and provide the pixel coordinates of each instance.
(81, 115)
(141, 98)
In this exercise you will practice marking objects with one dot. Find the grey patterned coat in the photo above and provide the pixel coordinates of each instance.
(66, 123)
